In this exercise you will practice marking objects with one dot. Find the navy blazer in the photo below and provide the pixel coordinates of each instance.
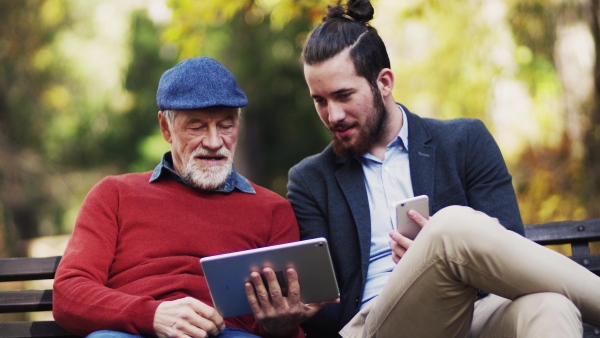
(454, 162)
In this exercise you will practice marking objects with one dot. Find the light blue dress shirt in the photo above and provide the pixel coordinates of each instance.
(387, 183)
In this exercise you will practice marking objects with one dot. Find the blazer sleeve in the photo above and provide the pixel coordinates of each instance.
(488, 183)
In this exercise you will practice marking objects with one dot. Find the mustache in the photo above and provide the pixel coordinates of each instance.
(222, 152)
(342, 125)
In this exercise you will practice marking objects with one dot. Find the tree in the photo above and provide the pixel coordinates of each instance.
(592, 137)
(66, 118)
(558, 178)
(28, 93)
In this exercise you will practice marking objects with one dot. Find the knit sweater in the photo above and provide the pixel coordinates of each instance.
(136, 244)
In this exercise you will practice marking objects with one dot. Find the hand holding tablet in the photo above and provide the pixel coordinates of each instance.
(226, 274)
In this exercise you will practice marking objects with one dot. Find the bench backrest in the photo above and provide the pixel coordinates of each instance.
(580, 234)
(26, 269)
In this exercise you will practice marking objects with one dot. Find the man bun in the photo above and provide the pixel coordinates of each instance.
(356, 10)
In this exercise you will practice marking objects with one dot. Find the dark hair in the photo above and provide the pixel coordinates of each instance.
(347, 26)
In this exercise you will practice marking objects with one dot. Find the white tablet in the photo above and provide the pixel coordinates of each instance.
(226, 274)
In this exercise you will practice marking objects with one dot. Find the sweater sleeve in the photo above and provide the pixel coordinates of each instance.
(284, 229)
(83, 303)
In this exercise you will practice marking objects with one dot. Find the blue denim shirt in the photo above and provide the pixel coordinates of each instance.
(233, 181)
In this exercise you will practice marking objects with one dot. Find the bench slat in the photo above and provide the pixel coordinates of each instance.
(592, 263)
(564, 232)
(27, 268)
(33, 329)
(25, 301)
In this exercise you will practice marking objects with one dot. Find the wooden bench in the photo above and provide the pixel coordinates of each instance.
(28, 269)
(576, 233)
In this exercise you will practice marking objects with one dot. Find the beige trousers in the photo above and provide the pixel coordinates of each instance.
(431, 292)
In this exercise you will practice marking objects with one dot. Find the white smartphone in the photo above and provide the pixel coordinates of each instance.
(405, 225)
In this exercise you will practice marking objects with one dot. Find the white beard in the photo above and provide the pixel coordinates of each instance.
(208, 177)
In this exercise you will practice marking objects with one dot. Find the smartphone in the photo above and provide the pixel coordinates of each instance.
(405, 225)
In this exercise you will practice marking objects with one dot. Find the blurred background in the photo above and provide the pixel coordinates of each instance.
(78, 82)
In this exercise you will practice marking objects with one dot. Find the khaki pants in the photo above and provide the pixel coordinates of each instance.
(431, 292)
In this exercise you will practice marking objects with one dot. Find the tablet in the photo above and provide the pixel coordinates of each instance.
(226, 274)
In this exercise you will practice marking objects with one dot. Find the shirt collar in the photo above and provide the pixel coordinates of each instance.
(402, 138)
(233, 181)
(403, 134)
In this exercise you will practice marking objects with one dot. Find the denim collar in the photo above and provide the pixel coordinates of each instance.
(233, 181)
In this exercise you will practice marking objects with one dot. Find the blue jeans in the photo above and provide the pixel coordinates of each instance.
(229, 332)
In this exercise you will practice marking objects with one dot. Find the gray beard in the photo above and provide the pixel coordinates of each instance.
(209, 178)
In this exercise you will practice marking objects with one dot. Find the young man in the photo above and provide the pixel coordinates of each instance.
(132, 265)
(382, 153)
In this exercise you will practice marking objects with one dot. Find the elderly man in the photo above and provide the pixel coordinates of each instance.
(132, 265)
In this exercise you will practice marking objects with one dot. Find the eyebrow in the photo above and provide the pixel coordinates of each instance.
(339, 91)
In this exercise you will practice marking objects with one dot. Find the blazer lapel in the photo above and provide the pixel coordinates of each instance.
(421, 156)
(351, 181)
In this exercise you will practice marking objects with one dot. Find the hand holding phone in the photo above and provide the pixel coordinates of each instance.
(404, 225)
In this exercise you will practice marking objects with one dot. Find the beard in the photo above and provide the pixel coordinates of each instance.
(208, 177)
(371, 132)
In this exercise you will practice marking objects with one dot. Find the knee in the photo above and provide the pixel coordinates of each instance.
(454, 214)
(549, 310)
(451, 221)
(460, 221)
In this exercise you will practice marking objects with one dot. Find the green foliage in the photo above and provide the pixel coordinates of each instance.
(444, 55)
(66, 116)
(28, 94)
(126, 141)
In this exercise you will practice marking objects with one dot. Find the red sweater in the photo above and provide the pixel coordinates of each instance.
(136, 244)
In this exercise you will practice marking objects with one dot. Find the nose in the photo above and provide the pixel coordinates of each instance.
(336, 113)
(212, 139)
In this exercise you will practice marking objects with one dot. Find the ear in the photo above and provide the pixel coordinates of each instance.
(165, 129)
(385, 81)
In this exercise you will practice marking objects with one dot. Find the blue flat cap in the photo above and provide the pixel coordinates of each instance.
(198, 83)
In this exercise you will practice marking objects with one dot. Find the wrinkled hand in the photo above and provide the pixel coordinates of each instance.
(187, 317)
(398, 243)
(277, 314)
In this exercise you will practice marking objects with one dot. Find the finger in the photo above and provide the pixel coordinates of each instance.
(252, 299)
(274, 288)
(293, 287)
(313, 308)
(417, 218)
(192, 328)
(395, 258)
(402, 241)
(397, 251)
(260, 289)
(210, 319)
